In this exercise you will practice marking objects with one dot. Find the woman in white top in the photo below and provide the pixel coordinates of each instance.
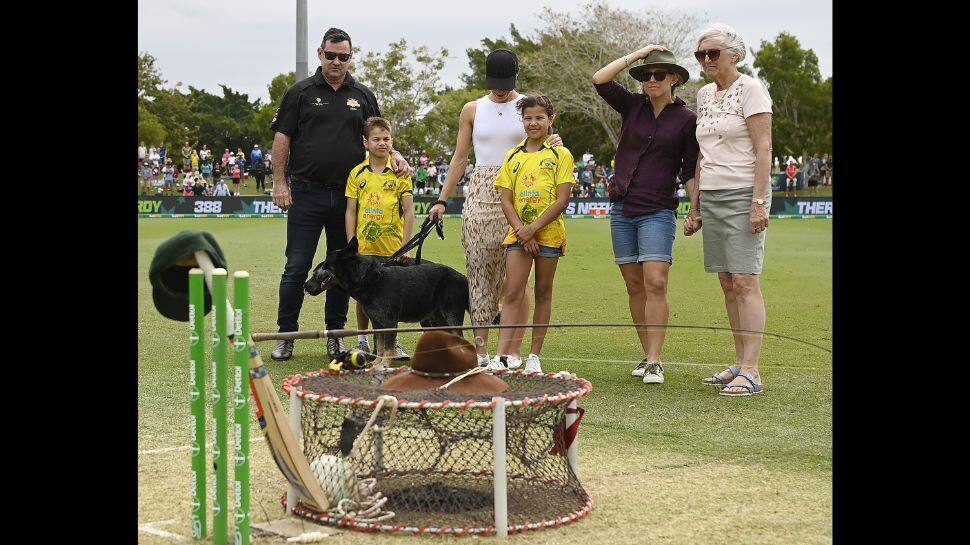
(493, 126)
(733, 175)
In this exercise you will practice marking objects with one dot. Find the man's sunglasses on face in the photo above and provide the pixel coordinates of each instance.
(331, 55)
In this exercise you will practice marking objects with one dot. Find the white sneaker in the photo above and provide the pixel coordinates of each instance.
(512, 362)
(505, 362)
(400, 354)
(638, 370)
(483, 360)
(653, 374)
(532, 364)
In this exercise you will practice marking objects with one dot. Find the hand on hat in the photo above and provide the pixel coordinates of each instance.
(642, 53)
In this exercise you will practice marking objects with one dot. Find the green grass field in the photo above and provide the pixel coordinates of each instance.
(674, 463)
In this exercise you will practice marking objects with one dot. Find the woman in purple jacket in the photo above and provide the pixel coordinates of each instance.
(657, 141)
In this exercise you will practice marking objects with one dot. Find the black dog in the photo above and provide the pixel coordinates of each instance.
(429, 293)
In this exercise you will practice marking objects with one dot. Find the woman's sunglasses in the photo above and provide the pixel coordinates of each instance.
(712, 54)
(659, 75)
(330, 55)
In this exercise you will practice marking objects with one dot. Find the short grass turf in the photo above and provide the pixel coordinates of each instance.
(675, 463)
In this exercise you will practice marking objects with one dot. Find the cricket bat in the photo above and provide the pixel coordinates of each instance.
(282, 443)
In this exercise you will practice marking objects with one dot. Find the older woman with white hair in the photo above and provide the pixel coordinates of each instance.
(731, 194)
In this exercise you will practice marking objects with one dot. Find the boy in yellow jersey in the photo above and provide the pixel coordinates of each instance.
(535, 181)
(380, 207)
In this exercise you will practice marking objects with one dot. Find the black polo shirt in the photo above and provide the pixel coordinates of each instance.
(325, 126)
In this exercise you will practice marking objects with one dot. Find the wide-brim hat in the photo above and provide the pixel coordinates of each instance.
(660, 59)
(438, 358)
(169, 272)
(501, 69)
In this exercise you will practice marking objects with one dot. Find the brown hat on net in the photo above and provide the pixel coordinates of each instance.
(439, 358)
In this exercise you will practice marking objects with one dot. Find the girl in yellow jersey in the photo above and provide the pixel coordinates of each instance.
(535, 181)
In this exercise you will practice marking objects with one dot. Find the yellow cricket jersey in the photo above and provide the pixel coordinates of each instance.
(533, 178)
(380, 214)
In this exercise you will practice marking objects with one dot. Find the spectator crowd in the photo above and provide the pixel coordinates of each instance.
(815, 171)
(430, 174)
(191, 171)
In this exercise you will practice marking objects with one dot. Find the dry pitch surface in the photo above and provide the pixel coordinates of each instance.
(664, 464)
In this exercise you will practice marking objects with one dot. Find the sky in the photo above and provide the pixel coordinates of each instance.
(245, 43)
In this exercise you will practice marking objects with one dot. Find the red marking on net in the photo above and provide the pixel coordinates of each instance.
(564, 436)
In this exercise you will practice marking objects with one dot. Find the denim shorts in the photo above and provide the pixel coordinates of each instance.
(648, 237)
(544, 251)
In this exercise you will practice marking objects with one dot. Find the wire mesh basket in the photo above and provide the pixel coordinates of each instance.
(423, 461)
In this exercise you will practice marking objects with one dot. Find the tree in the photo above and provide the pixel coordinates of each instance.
(572, 47)
(801, 99)
(262, 122)
(171, 108)
(227, 121)
(441, 122)
(200, 117)
(149, 79)
(150, 129)
(407, 85)
(278, 86)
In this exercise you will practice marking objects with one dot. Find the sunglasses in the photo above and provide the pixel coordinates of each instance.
(712, 54)
(659, 75)
(330, 55)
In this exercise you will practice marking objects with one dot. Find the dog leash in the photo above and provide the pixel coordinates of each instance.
(418, 239)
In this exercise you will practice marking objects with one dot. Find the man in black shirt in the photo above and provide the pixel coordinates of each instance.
(319, 138)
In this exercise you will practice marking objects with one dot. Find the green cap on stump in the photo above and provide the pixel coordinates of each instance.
(169, 272)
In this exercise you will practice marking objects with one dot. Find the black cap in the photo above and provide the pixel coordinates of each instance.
(501, 68)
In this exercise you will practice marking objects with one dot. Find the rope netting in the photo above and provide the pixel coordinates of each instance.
(422, 461)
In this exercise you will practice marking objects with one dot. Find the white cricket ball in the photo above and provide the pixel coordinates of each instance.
(336, 477)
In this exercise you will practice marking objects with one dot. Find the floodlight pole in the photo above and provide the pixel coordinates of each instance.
(302, 70)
